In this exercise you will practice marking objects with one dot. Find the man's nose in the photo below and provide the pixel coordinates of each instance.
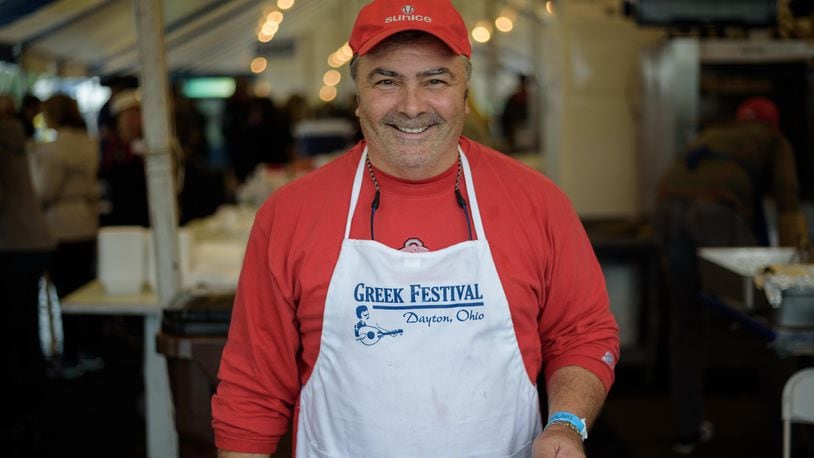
(412, 102)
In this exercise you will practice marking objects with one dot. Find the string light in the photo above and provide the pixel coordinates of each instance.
(504, 24)
(270, 28)
(341, 56)
(481, 34)
(275, 16)
(345, 52)
(258, 64)
(327, 93)
(331, 78)
(285, 4)
(334, 61)
(267, 28)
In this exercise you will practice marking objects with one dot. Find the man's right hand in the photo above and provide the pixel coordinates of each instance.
(558, 441)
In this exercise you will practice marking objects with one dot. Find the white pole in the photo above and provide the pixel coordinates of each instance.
(158, 138)
(158, 128)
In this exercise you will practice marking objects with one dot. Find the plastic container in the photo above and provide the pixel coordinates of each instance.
(122, 258)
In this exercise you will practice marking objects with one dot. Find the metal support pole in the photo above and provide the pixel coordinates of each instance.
(537, 94)
(492, 59)
(161, 437)
(158, 138)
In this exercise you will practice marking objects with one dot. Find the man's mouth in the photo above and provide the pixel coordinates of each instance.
(412, 126)
(409, 130)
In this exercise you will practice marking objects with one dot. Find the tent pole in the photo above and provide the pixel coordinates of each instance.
(158, 127)
(162, 439)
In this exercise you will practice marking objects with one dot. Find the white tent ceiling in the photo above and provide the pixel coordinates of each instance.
(202, 36)
(219, 37)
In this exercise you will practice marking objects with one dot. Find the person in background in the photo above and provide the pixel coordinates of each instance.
(64, 176)
(295, 110)
(256, 133)
(25, 245)
(514, 118)
(712, 195)
(203, 186)
(7, 105)
(190, 127)
(121, 169)
(106, 120)
(478, 270)
(30, 107)
(235, 125)
(268, 134)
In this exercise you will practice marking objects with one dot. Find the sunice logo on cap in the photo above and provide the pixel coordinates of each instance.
(408, 15)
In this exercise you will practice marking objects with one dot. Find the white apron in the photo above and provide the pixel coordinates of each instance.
(418, 356)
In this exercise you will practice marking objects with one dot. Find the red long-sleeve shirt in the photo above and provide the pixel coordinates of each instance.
(551, 278)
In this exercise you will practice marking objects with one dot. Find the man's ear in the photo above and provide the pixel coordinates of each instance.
(466, 102)
(356, 111)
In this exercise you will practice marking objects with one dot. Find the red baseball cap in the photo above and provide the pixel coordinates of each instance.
(759, 109)
(380, 19)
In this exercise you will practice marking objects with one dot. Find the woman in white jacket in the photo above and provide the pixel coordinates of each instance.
(64, 173)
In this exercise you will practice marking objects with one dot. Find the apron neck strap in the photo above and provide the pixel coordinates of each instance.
(470, 191)
(355, 190)
(473, 199)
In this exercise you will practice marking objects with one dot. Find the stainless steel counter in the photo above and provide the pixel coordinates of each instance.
(727, 280)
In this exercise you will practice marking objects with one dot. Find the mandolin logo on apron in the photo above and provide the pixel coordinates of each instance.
(414, 305)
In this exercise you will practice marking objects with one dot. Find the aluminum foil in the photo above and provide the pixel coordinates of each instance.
(778, 279)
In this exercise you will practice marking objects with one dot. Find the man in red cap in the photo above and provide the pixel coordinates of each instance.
(712, 195)
(402, 300)
(759, 109)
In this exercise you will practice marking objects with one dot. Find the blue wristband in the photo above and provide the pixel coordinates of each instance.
(577, 424)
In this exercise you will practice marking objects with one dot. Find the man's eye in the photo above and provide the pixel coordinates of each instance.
(436, 82)
(385, 83)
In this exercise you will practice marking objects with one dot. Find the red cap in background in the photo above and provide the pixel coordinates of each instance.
(380, 19)
(759, 109)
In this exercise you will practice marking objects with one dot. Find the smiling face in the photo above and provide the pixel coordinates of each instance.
(412, 105)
